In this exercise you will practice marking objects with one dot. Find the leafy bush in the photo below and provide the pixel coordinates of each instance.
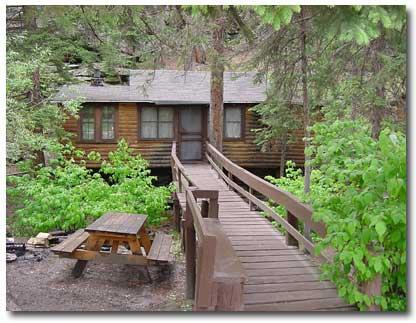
(359, 190)
(68, 196)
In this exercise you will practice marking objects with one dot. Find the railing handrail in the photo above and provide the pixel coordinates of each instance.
(294, 207)
(211, 266)
(178, 169)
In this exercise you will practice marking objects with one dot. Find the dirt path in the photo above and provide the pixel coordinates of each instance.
(47, 285)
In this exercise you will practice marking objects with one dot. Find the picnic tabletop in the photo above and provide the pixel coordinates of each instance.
(121, 223)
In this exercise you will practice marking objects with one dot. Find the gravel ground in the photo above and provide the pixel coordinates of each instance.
(41, 281)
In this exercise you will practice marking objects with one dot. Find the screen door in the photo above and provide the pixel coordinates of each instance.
(190, 128)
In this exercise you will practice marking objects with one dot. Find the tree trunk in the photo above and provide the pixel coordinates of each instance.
(305, 99)
(377, 111)
(36, 99)
(35, 94)
(283, 154)
(29, 18)
(217, 84)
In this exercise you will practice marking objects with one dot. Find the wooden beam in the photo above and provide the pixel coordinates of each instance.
(106, 257)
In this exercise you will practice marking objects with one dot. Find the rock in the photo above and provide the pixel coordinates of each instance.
(41, 240)
(43, 235)
(10, 257)
(38, 242)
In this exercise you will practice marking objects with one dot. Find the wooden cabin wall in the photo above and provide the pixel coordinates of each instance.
(243, 151)
(157, 152)
(246, 153)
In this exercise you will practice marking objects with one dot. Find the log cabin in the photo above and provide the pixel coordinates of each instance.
(156, 107)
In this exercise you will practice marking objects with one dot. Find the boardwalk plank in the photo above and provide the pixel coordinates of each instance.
(292, 286)
(278, 264)
(333, 303)
(264, 298)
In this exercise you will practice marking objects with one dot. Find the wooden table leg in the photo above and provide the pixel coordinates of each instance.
(79, 268)
(144, 239)
(92, 244)
(114, 246)
(135, 247)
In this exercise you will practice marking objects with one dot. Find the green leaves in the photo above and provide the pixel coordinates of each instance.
(68, 196)
(380, 228)
(277, 16)
(358, 189)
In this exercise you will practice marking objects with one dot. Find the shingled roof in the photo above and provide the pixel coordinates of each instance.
(169, 87)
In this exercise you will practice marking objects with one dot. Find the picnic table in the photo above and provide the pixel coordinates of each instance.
(116, 229)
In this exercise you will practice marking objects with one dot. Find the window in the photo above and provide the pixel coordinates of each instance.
(156, 123)
(88, 123)
(233, 121)
(98, 123)
(107, 123)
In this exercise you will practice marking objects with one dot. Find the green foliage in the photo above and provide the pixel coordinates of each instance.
(33, 124)
(359, 191)
(278, 119)
(277, 16)
(68, 196)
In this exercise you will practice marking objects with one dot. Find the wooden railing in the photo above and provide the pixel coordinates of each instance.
(214, 275)
(179, 176)
(296, 211)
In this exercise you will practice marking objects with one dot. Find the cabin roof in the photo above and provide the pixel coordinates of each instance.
(169, 87)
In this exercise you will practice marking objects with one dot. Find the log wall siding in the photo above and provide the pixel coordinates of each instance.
(244, 152)
(157, 152)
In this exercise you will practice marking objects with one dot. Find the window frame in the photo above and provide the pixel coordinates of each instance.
(174, 117)
(242, 127)
(97, 114)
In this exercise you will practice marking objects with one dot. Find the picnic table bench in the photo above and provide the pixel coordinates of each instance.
(116, 229)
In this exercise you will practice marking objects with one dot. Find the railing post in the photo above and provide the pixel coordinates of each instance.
(250, 205)
(180, 180)
(204, 298)
(213, 208)
(190, 254)
(373, 288)
(307, 231)
(204, 208)
(177, 213)
(293, 221)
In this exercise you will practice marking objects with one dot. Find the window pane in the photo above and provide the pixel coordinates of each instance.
(107, 130)
(108, 113)
(107, 123)
(87, 123)
(149, 114)
(233, 114)
(190, 119)
(233, 130)
(149, 129)
(165, 130)
(166, 114)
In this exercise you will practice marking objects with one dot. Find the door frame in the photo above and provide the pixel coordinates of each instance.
(203, 132)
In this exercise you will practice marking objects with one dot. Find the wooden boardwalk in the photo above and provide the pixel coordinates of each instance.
(279, 277)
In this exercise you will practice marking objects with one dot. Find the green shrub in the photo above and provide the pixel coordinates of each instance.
(359, 190)
(68, 196)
